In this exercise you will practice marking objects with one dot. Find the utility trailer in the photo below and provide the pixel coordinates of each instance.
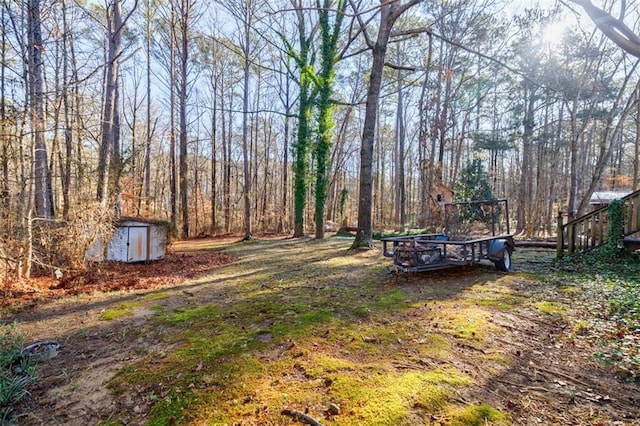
(428, 252)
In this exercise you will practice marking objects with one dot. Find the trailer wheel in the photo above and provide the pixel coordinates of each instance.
(504, 264)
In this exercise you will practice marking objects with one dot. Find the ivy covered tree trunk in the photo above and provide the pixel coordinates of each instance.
(301, 146)
(301, 154)
(326, 123)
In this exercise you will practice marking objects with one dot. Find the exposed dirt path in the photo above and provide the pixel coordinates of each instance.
(526, 363)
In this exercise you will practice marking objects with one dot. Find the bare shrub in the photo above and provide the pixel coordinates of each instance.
(9, 261)
(15, 254)
(63, 245)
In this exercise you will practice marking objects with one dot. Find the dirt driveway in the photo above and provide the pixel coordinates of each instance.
(520, 363)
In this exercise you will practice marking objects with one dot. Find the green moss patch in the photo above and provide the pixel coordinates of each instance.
(551, 308)
(477, 415)
(122, 310)
(304, 326)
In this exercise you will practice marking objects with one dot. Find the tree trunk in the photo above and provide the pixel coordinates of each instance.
(172, 120)
(400, 141)
(609, 136)
(389, 12)
(147, 150)
(68, 130)
(301, 147)
(423, 136)
(226, 142)
(42, 176)
(524, 190)
(214, 154)
(184, 21)
(282, 222)
(326, 123)
(246, 192)
(114, 50)
(636, 147)
(5, 201)
(573, 171)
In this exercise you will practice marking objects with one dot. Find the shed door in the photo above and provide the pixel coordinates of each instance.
(137, 244)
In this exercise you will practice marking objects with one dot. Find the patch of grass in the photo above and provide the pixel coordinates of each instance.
(432, 398)
(172, 408)
(394, 300)
(497, 357)
(496, 304)
(362, 312)
(551, 308)
(187, 317)
(477, 415)
(448, 376)
(155, 296)
(17, 372)
(467, 322)
(315, 317)
(122, 310)
(324, 364)
(384, 397)
(434, 345)
(332, 335)
(569, 289)
(581, 327)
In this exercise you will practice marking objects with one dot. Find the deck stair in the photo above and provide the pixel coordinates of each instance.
(590, 231)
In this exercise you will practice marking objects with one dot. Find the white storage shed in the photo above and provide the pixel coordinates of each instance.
(134, 240)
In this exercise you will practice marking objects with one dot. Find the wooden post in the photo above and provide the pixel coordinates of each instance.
(560, 237)
(571, 238)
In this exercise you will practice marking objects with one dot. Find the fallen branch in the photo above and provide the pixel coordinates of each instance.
(561, 374)
(469, 346)
(536, 389)
(506, 382)
(539, 321)
(301, 417)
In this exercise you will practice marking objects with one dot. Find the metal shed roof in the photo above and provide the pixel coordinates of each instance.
(605, 197)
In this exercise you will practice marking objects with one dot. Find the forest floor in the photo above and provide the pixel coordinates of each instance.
(274, 331)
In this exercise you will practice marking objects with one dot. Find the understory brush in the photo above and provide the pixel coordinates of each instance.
(610, 298)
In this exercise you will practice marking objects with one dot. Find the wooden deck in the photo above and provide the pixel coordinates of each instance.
(590, 231)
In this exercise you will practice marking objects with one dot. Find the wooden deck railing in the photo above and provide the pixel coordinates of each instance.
(590, 231)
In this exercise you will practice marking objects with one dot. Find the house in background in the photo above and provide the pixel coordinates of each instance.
(133, 240)
(439, 196)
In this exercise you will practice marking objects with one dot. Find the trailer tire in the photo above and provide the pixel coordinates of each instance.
(504, 263)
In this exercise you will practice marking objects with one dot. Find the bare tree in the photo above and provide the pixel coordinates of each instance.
(5, 201)
(245, 14)
(110, 109)
(390, 11)
(614, 28)
(42, 176)
(187, 17)
(109, 161)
